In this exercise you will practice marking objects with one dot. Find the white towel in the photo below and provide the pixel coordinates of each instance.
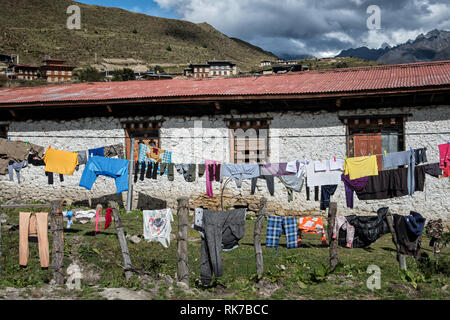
(336, 165)
(320, 165)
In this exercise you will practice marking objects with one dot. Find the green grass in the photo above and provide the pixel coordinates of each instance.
(299, 273)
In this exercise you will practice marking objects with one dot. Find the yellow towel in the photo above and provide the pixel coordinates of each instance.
(62, 162)
(361, 167)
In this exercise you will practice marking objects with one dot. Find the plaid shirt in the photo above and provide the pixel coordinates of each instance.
(143, 149)
(276, 226)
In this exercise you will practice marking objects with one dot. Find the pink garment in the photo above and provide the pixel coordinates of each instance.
(444, 155)
(209, 189)
(97, 220)
(341, 222)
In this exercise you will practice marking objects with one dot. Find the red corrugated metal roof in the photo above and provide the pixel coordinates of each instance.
(361, 79)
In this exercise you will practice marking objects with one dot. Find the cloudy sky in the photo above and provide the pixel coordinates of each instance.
(297, 27)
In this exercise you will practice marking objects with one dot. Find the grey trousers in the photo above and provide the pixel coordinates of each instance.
(270, 184)
(222, 230)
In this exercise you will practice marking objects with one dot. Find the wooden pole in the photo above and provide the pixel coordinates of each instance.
(57, 229)
(130, 176)
(183, 220)
(0, 249)
(332, 210)
(400, 257)
(260, 216)
(122, 239)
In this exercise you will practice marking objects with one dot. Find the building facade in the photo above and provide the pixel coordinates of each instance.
(55, 70)
(220, 68)
(25, 72)
(314, 115)
(213, 68)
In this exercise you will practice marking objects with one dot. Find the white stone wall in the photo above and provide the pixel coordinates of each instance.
(312, 135)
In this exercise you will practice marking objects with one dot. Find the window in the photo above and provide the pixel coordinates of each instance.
(375, 135)
(69, 73)
(56, 73)
(48, 72)
(249, 140)
(143, 132)
(63, 73)
(222, 67)
(195, 69)
(200, 69)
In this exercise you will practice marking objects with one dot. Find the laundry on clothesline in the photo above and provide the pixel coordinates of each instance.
(60, 161)
(341, 222)
(68, 214)
(359, 167)
(396, 159)
(311, 225)
(187, 170)
(16, 166)
(276, 226)
(222, 232)
(84, 216)
(157, 226)
(367, 229)
(109, 167)
(16, 151)
(33, 224)
(326, 174)
(240, 171)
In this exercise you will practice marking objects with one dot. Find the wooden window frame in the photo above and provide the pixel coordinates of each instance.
(245, 124)
(145, 132)
(374, 126)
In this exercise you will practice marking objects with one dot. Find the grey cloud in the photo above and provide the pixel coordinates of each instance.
(280, 26)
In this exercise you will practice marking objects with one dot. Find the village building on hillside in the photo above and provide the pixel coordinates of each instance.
(220, 68)
(213, 68)
(24, 72)
(197, 70)
(55, 70)
(314, 115)
(265, 63)
(6, 61)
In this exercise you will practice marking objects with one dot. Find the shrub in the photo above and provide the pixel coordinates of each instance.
(90, 74)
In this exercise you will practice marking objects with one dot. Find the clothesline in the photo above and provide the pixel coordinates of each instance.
(209, 137)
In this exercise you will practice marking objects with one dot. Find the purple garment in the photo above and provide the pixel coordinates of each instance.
(276, 169)
(351, 186)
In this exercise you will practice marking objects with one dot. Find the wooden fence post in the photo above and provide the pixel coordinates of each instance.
(0, 249)
(57, 229)
(260, 216)
(332, 210)
(122, 239)
(183, 220)
(400, 257)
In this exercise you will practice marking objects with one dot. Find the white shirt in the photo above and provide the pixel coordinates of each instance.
(157, 226)
(320, 178)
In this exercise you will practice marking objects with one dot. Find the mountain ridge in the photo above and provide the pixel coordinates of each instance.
(34, 29)
(433, 46)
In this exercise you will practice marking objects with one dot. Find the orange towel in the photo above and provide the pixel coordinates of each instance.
(311, 225)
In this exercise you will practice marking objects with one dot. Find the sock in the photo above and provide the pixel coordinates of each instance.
(108, 218)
